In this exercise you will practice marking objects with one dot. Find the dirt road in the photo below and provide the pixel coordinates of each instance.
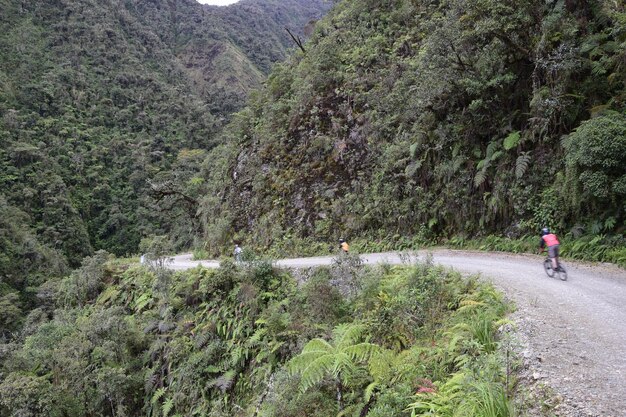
(574, 332)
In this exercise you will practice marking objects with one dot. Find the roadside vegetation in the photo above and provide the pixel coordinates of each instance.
(252, 340)
(609, 248)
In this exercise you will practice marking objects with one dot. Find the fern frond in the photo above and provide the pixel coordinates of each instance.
(167, 407)
(142, 302)
(201, 340)
(110, 294)
(491, 149)
(504, 322)
(521, 165)
(467, 305)
(369, 391)
(317, 345)
(343, 365)
(512, 140)
(257, 336)
(480, 178)
(347, 334)
(496, 155)
(361, 351)
(315, 371)
(381, 364)
(413, 150)
(158, 394)
(151, 382)
(351, 410)
(225, 381)
(212, 369)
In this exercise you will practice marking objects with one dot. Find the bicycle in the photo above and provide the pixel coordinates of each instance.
(551, 272)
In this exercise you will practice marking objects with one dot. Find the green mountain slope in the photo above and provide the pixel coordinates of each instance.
(97, 98)
(411, 118)
(228, 51)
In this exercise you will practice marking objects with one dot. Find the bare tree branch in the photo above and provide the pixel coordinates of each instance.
(297, 40)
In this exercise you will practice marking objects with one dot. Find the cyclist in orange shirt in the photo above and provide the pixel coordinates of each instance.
(344, 246)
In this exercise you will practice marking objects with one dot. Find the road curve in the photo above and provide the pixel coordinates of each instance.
(575, 330)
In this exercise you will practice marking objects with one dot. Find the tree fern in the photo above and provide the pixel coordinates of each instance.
(316, 370)
(347, 334)
(361, 352)
(320, 358)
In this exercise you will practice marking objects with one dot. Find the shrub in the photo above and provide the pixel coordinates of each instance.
(596, 166)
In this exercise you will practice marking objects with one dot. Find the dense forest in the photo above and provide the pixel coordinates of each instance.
(417, 121)
(162, 125)
(97, 101)
(250, 340)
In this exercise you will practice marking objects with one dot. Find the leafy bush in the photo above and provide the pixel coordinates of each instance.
(596, 167)
(324, 302)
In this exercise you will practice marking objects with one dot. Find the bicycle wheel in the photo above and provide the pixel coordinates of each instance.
(562, 273)
(547, 265)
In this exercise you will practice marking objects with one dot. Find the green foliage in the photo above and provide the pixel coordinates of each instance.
(410, 118)
(596, 248)
(337, 358)
(245, 339)
(324, 301)
(596, 168)
(156, 250)
(464, 395)
(84, 284)
(521, 164)
(107, 111)
(10, 311)
(512, 140)
(27, 395)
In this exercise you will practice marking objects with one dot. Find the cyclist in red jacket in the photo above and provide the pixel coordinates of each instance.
(552, 242)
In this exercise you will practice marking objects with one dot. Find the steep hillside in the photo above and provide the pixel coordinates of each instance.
(218, 343)
(431, 119)
(227, 51)
(96, 99)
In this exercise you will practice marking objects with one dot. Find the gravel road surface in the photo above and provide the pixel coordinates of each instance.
(573, 332)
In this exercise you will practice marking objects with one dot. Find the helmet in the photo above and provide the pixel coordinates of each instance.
(341, 240)
(545, 231)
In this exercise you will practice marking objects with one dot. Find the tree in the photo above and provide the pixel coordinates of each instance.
(596, 166)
